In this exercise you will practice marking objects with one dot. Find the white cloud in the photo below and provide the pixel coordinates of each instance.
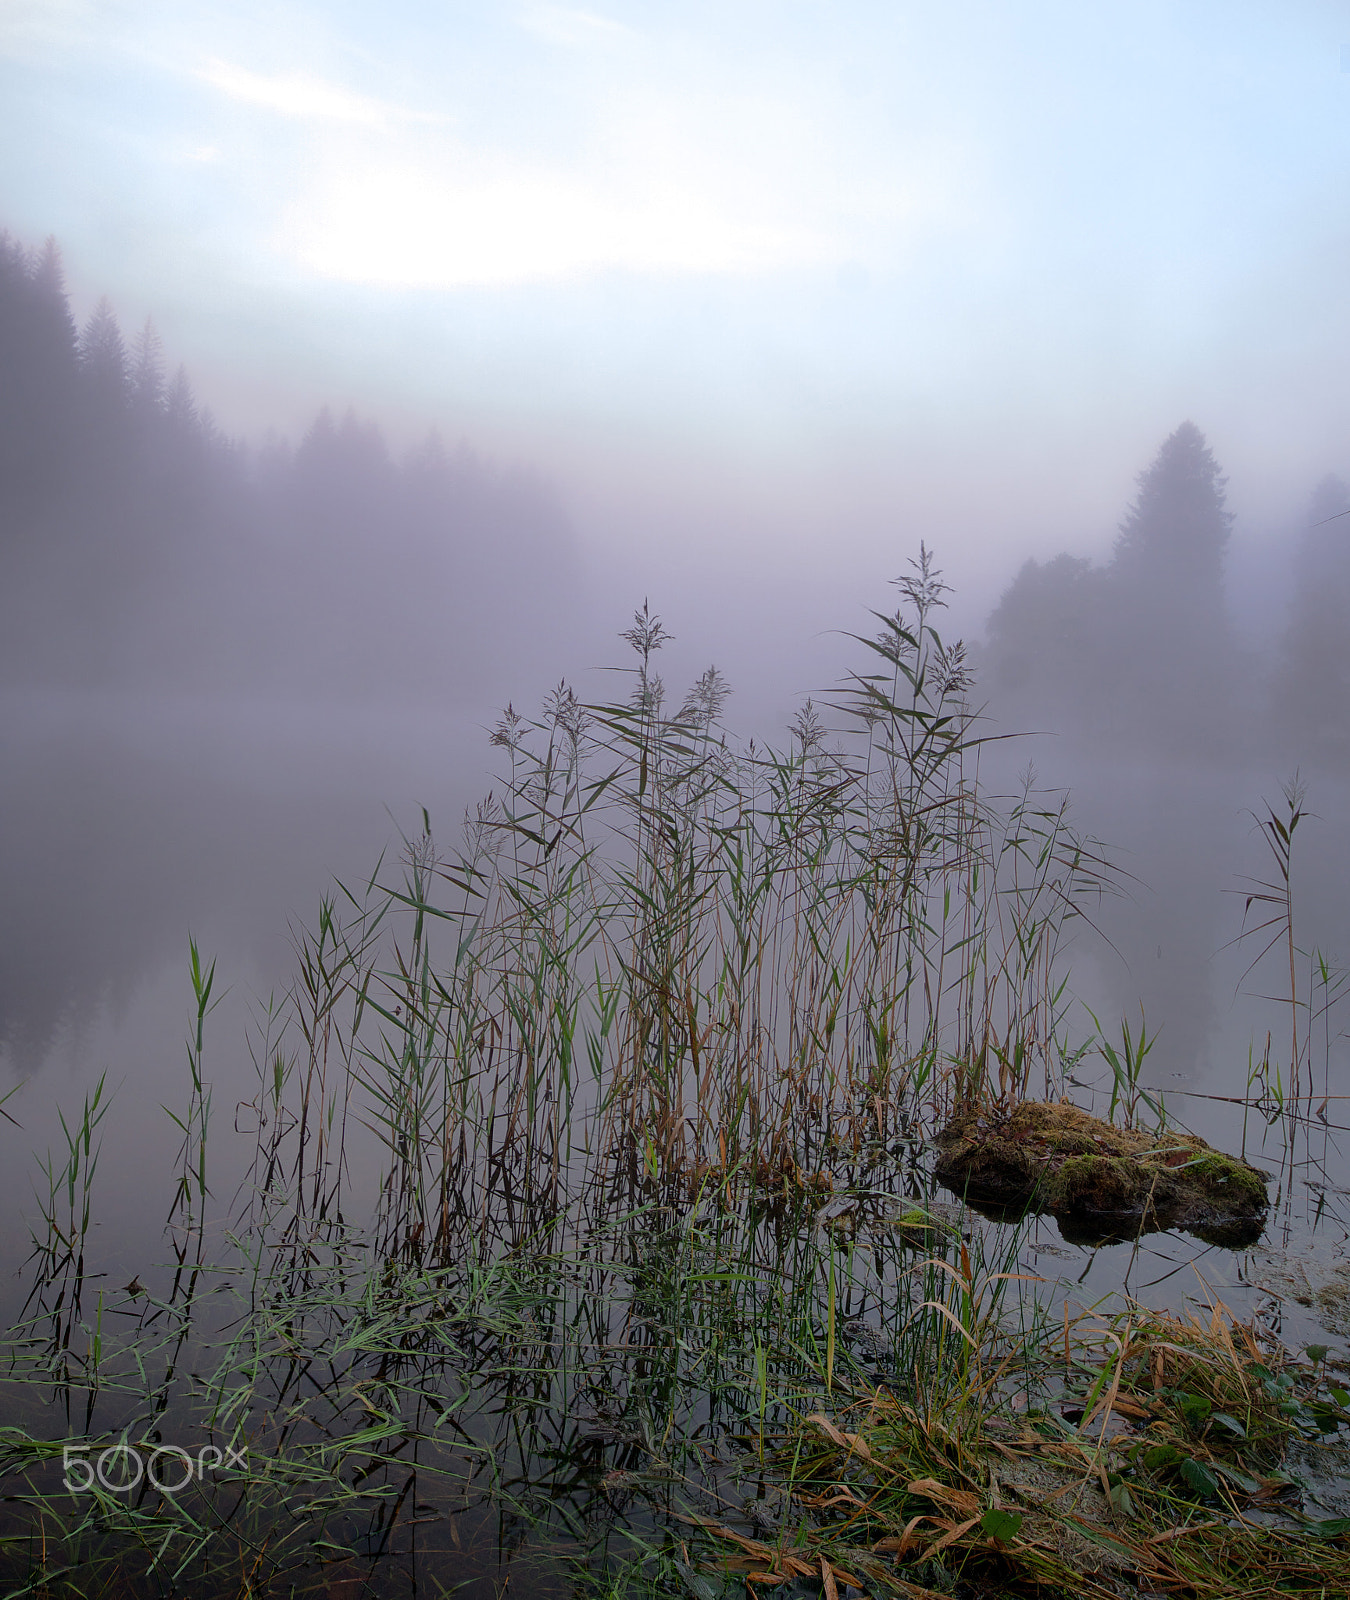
(310, 99)
(674, 168)
(571, 26)
(492, 223)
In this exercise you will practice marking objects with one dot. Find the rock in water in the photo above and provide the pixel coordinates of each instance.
(1100, 1181)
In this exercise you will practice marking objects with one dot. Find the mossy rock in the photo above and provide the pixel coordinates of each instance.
(1100, 1181)
(921, 1230)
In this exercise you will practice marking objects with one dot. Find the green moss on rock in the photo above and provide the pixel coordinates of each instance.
(1229, 1181)
(1091, 1174)
(920, 1229)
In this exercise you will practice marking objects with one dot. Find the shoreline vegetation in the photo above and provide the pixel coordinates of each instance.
(654, 1294)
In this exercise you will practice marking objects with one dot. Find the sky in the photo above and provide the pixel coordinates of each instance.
(778, 288)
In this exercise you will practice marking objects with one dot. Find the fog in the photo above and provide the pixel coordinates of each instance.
(234, 671)
(466, 338)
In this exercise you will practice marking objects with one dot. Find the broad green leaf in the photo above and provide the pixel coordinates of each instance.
(1195, 1408)
(1330, 1527)
(1002, 1526)
(1199, 1477)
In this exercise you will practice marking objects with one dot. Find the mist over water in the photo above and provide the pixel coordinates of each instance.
(1180, 735)
(233, 672)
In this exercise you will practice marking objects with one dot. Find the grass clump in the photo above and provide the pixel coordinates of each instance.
(1148, 1462)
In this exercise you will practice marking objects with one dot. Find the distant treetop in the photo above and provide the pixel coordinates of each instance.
(1175, 532)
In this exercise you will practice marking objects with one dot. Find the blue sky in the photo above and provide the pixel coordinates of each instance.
(803, 277)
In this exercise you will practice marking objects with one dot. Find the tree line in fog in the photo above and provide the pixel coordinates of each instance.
(140, 545)
(1142, 651)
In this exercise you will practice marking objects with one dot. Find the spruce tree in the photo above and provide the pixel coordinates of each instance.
(103, 358)
(1174, 676)
(39, 385)
(1171, 545)
(148, 393)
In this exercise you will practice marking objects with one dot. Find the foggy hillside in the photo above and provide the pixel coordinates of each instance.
(1141, 654)
(144, 548)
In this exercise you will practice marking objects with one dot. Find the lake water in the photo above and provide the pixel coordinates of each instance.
(131, 825)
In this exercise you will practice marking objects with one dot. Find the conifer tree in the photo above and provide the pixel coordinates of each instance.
(103, 356)
(1139, 651)
(1174, 678)
(180, 405)
(40, 380)
(147, 373)
(1171, 544)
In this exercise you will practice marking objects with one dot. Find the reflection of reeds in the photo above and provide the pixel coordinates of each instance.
(57, 1263)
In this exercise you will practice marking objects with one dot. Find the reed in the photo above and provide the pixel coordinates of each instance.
(659, 955)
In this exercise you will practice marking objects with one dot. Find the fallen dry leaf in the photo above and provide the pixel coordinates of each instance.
(959, 1500)
(950, 1537)
(852, 1442)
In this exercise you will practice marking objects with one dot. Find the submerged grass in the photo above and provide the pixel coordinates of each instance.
(650, 1291)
